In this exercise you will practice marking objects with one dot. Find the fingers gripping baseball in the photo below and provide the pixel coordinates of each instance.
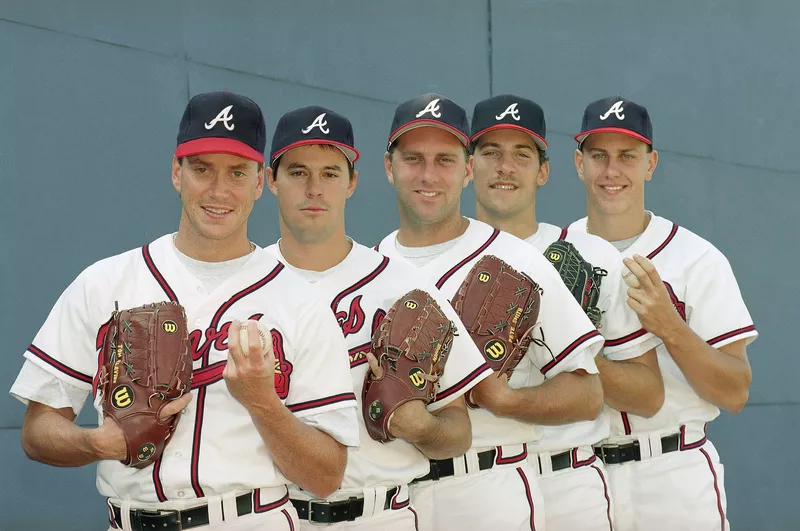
(250, 371)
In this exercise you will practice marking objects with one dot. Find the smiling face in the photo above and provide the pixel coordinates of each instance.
(507, 175)
(614, 168)
(312, 184)
(218, 191)
(429, 169)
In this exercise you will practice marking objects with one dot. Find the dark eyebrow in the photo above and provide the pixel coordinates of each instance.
(333, 167)
(497, 146)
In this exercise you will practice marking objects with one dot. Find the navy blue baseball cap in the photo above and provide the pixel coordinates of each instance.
(616, 114)
(430, 110)
(509, 112)
(313, 125)
(222, 122)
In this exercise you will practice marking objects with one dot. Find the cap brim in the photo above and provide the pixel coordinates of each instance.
(350, 153)
(579, 138)
(536, 138)
(218, 145)
(428, 123)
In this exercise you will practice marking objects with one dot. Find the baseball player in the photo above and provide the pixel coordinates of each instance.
(283, 418)
(312, 174)
(492, 486)
(664, 472)
(509, 143)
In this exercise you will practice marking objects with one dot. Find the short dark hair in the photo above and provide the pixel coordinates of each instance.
(393, 146)
(350, 166)
(180, 163)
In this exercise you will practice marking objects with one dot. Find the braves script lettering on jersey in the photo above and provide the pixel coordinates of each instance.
(215, 449)
(573, 342)
(578, 497)
(361, 289)
(705, 293)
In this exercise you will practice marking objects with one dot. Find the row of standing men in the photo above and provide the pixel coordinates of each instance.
(600, 427)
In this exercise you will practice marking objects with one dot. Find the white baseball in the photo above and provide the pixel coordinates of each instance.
(263, 334)
(629, 278)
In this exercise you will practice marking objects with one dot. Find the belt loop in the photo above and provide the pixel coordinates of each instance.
(655, 445)
(644, 447)
(229, 509)
(467, 464)
(125, 515)
(545, 463)
(371, 500)
(380, 500)
(214, 510)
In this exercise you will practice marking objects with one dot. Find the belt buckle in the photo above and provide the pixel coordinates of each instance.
(311, 512)
(608, 447)
(162, 512)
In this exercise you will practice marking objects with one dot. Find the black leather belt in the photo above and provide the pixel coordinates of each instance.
(167, 520)
(614, 454)
(321, 512)
(444, 468)
(561, 461)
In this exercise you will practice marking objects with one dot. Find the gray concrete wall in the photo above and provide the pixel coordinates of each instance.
(91, 93)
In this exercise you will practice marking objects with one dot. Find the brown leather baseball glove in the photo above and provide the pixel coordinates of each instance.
(499, 307)
(145, 363)
(411, 345)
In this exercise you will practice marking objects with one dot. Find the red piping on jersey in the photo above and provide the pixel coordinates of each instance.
(288, 519)
(201, 393)
(402, 504)
(151, 265)
(39, 353)
(357, 350)
(157, 481)
(692, 446)
(529, 495)
(716, 489)
(468, 259)
(319, 402)
(360, 284)
(626, 423)
(500, 460)
(608, 499)
(575, 344)
(463, 383)
(732, 333)
(664, 243)
(624, 339)
(577, 463)
(416, 519)
(258, 508)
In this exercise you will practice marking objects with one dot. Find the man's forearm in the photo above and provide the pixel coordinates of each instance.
(51, 438)
(308, 457)
(631, 386)
(566, 398)
(449, 434)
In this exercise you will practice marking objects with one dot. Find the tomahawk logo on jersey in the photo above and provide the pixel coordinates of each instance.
(311, 376)
(570, 339)
(704, 290)
(368, 284)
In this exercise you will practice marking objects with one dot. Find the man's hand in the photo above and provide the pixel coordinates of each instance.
(650, 299)
(108, 440)
(250, 375)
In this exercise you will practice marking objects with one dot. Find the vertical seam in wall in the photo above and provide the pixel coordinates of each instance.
(489, 37)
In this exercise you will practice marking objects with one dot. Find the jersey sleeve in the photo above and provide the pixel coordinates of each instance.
(66, 345)
(625, 338)
(35, 384)
(337, 423)
(565, 339)
(320, 379)
(715, 309)
(465, 365)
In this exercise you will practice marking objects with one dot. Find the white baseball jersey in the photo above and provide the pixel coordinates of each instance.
(705, 293)
(623, 333)
(572, 339)
(360, 290)
(215, 448)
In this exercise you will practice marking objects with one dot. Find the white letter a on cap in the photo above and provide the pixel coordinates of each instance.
(615, 109)
(433, 108)
(224, 116)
